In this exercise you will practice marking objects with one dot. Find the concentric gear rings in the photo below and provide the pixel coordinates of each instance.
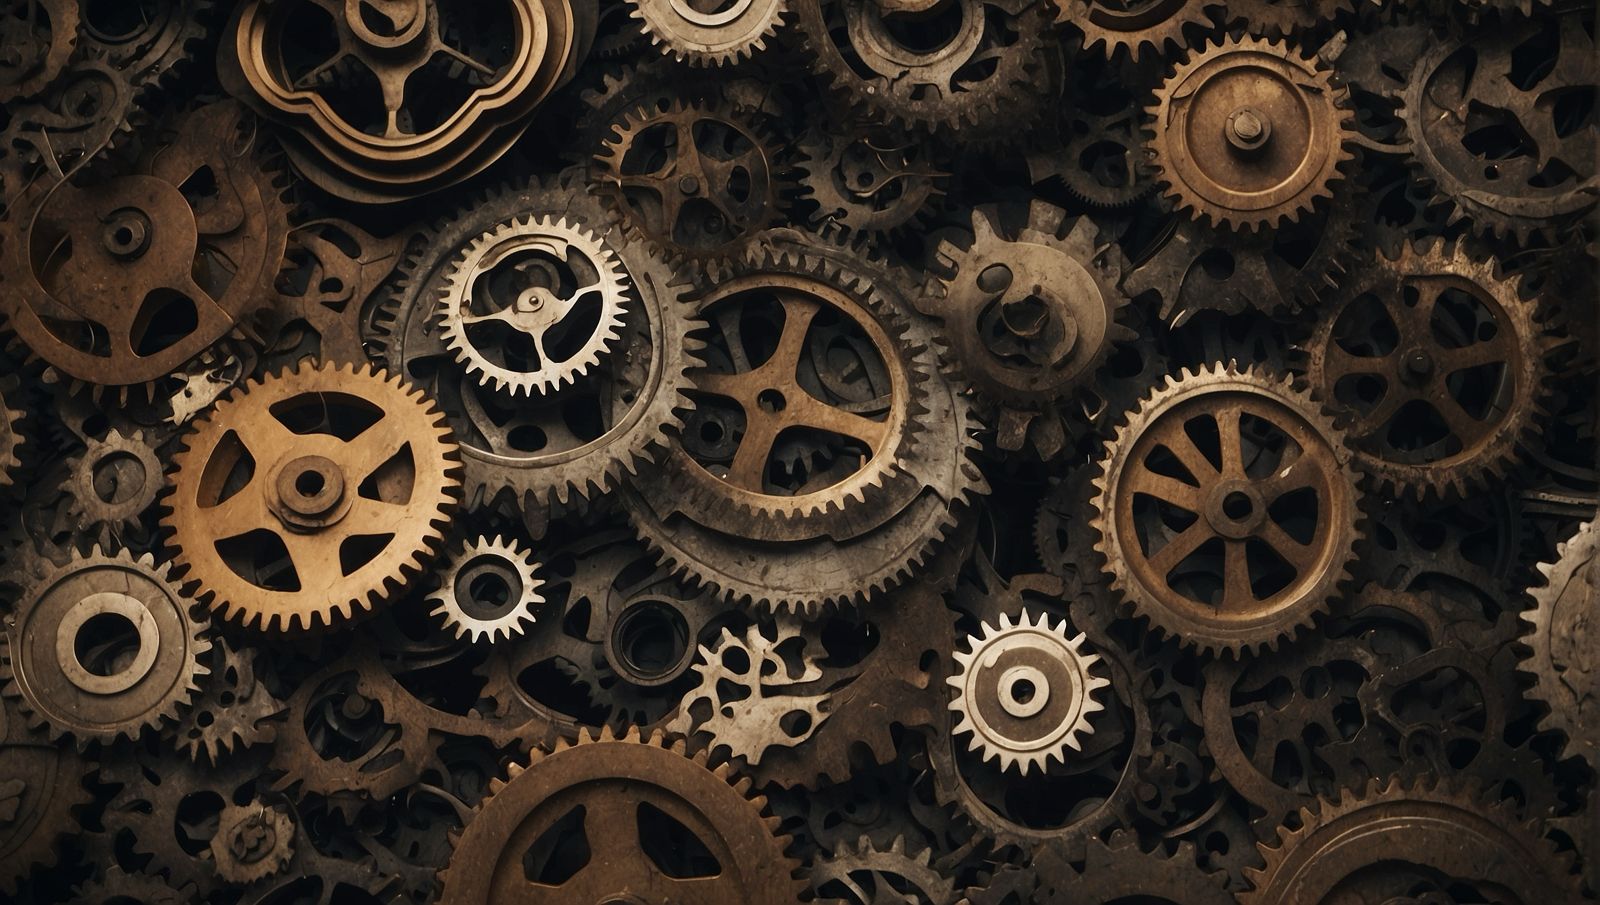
(489, 592)
(1227, 509)
(1249, 133)
(114, 480)
(1025, 692)
(287, 519)
(1134, 28)
(717, 34)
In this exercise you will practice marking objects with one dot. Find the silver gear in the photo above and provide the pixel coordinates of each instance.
(505, 566)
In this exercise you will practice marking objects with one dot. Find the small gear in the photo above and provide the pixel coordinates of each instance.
(311, 496)
(868, 180)
(1284, 18)
(710, 34)
(39, 38)
(1135, 28)
(863, 874)
(104, 647)
(11, 436)
(253, 842)
(1563, 647)
(112, 482)
(489, 592)
(618, 794)
(1025, 692)
(533, 304)
(1249, 133)
(1227, 509)
(234, 710)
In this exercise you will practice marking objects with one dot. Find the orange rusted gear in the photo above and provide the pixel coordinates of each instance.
(288, 519)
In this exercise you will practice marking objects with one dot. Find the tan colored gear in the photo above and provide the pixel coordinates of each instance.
(1025, 693)
(112, 482)
(11, 436)
(538, 248)
(724, 34)
(253, 842)
(1420, 834)
(1430, 350)
(1151, 25)
(125, 689)
(1250, 166)
(395, 482)
(511, 569)
(612, 778)
(1228, 505)
(1564, 657)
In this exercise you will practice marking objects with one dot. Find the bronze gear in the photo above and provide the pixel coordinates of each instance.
(865, 179)
(1135, 27)
(355, 518)
(625, 789)
(41, 783)
(253, 842)
(112, 482)
(863, 874)
(104, 647)
(488, 592)
(1255, 165)
(40, 36)
(1281, 18)
(1562, 646)
(12, 438)
(116, 886)
(714, 34)
(1218, 511)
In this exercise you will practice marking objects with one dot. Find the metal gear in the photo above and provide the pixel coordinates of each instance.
(234, 710)
(112, 482)
(868, 180)
(710, 34)
(1282, 18)
(1562, 648)
(618, 794)
(41, 785)
(11, 436)
(532, 305)
(289, 518)
(40, 37)
(1437, 365)
(253, 842)
(103, 647)
(1135, 27)
(116, 886)
(1120, 868)
(1195, 527)
(863, 874)
(489, 591)
(1249, 133)
(1025, 692)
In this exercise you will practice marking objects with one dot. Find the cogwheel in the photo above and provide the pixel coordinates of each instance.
(1249, 166)
(1437, 365)
(115, 886)
(41, 36)
(11, 436)
(311, 496)
(531, 306)
(868, 180)
(1025, 692)
(616, 793)
(716, 34)
(1227, 509)
(232, 712)
(112, 482)
(864, 874)
(1283, 18)
(489, 592)
(41, 783)
(253, 842)
(1433, 843)
(103, 647)
(1029, 315)
(1120, 869)
(1134, 28)
(1562, 658)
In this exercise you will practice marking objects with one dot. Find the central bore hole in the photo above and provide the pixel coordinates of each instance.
(771, 400)
(711, 432)
(124, 235)
(489, 591)
(310, 483)
(1023, 691)
(106, 644)
(1236, 505)
(651, 639)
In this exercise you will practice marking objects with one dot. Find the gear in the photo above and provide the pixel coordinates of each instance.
(119, 887)
(863, 874)
(1438, 362)
(710, 34)
(41, 784)
(1029, 315)
(1134, 27)
(532, 305)
(1282, 18)
(234, 710)
(1121, 869)
(489, 592)
(619, 795)
(1227, 509)
(576, 443)
(1248, 166)
(311, 496)
(1426, 843)
(11, 436)
(253, 842)
(104, 647)
(807, 339)
(1025, 692)
(868, 180)
(1562, 659)
(112, 482)
(40, 36)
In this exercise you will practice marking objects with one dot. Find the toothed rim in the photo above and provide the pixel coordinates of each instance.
(518, 615)
(709, 43)
(232, 869)
(87, 505)
(1574, 556)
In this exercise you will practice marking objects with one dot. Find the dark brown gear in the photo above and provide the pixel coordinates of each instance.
(1283, 18)
(291, 517)
(1237, 539)
(866, 179)
(39, 37)
(1249, 133)
(11, 436)
(189, 260)
(234, 709)
(862, 874)
(41, 783)
(1436, 363)
(253, 841)
(620, 795)
(1135, 27)
(112, 482)
(1120, 868)
(1563, 658)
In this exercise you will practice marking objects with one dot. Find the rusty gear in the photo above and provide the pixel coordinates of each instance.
(622, 789)
(352, 516)
(1562, 658)
(1281, 18)
(1134, 27)
(868, 180)
(253, 842)
(41, 784)
(1437, 362)
(863, 874)
(1119, 868)
(1255, 165)
(489, 591)
(1192, 516)
(112, 482)
(39, 37)
(710, 34)
(1025, 692)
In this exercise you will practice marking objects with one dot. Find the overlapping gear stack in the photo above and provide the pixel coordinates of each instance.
(742, 451)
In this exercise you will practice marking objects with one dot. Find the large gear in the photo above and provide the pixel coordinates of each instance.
(1137, 27)
(1249, 133)
(716, 34)
(1025, 692)
(489, 592)
(616, 793)
(351, 516)
(104, 647)
(1190, 529)
(1562, 645)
